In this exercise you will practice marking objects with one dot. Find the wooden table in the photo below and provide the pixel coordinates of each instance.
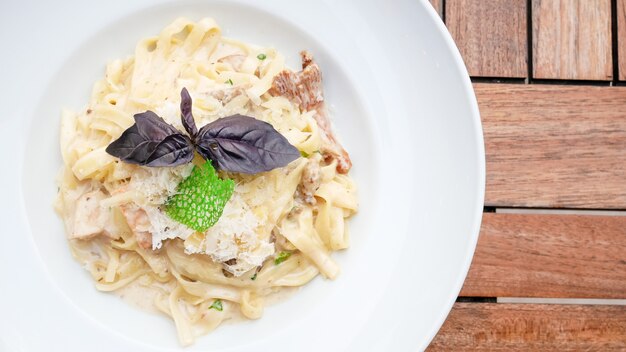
(549, 271)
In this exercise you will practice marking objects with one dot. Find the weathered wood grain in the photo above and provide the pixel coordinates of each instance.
(554, 146)
(532, 327)
(621, 38)
(572, 39)
(438, 5)
(561, 256)
(491, 36)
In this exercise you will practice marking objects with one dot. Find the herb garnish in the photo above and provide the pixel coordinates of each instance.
(253, 277)
(152, 142)
(235, 143)
(281, 257)
(261, 56)
(200, 198)
(229, 81)
(217, 305)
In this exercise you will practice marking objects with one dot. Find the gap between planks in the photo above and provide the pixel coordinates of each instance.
(560, 211)
(620, 17)
(577, 301)
(541, 300)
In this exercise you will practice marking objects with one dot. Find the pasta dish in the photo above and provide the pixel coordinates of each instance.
(203, 176)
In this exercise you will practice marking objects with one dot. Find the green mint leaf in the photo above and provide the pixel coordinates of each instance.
(200, 198)
(281, 257)
(261, 56)
(217, 305)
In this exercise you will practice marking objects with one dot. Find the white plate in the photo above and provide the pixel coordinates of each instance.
(402, 103)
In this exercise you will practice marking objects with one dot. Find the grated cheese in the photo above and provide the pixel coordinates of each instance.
(164, 228)
(236, 235)
(239, 233)
(157, 184)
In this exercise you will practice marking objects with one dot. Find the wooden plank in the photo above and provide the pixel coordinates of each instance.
(491, 36)
(572, 39)
(621, 38)
(532, 327)
(554, 146)
(438, 5)
(561, 256)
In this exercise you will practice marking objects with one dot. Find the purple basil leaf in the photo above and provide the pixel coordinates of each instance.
(175, 149)
(152, 127)
(141, 152)
(128, 141)
(151, 141)
(185, 113)
(244, 144)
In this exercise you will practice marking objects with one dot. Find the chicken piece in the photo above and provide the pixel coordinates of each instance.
(91, 219)
(304, 88)
(139, 223)
(284, 244)
(224, 96)
(310, 181)
(336, 152)
(234, 60)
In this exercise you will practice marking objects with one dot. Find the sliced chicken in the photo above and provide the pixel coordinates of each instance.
(304, 88)
(139, 224)
(234, 60)
(226, 95)
(311, 180)
(91, 219)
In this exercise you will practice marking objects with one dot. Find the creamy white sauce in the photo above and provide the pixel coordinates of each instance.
(139, 296)
(143, 297)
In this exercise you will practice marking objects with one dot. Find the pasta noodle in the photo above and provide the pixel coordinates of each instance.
(269, 236)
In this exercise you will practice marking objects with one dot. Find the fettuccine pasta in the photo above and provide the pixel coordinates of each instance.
(278, 229)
